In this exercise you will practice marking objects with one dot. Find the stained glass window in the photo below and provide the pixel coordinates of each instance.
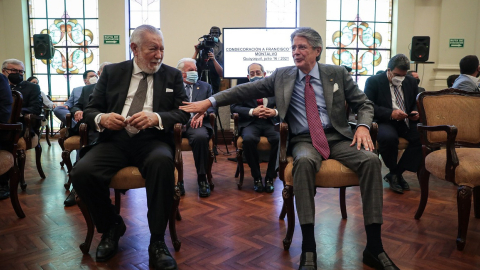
(359, 36)
(281, 13)
(143, 12)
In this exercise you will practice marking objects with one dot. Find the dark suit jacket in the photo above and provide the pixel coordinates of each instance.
(6, 99)
(32, 98)
(244, 108)
(201, 91)
(82, 102)
(112, 88)
(377, 89)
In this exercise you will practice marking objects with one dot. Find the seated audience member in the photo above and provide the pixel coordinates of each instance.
(394, 97)
(61, 111)
(199, 130)
(77, 112)
(46, 101)
(5, 99)
(414, 74)
(469, 72)
(319, 131)
(451, 79)
(134, 106)
(257, 117)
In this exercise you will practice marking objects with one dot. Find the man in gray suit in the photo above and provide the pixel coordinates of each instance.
(468, 79)
(295, 88)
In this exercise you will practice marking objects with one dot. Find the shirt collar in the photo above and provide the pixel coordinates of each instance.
(474, 79)
(315, 73)
(136, 68)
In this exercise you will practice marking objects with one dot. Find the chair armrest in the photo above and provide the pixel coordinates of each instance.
(9, 135)
(235, 118)
(177, 138)
(68, 120)
(283, 150)
(83, 130)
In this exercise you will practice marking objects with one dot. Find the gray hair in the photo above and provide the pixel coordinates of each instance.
(13, 62)
(102, 65)
(312, 36)
(138, 33)
(182, 61)
(261, 67)
(399, 61)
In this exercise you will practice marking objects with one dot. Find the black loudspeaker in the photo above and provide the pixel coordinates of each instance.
(42, 45)
(420, 49)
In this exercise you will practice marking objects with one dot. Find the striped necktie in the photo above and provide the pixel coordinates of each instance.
(400, 103)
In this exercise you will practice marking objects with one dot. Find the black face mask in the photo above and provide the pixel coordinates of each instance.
(418, 81)
(15, 78)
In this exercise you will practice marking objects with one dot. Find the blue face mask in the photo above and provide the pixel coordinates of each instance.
(215, 39)
(192, 76)
(255, 79)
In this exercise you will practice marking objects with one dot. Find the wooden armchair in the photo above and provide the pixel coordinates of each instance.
(450, 134)
(130, 178)
(186, 147)
(263, 145)
(332, 174)
(47, 112)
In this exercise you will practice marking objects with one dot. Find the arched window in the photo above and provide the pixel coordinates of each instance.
(281, 13)
(143, 12)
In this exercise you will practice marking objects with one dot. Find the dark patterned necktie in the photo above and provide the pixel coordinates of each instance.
(189, 92)
(319, 140)
(140, 96)
(400, 103)
(259, 101)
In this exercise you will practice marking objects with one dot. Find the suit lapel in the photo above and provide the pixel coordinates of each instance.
(328, 80)
(195, 90)
(288, 82)
(158, 87)
(385, 84)
(127, 70)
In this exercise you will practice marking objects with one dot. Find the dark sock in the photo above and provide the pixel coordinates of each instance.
(156, 237)
(308, 241)
(202, 178)
(374, 238)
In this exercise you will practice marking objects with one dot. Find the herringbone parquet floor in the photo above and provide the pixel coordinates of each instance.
(232, 229)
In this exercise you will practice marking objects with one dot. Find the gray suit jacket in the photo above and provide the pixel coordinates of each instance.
(463, 82)
(281, 83)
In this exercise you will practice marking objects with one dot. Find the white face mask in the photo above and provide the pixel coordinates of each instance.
(93, 80)
(397, 80)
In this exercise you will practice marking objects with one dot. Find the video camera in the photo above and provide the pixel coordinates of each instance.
(207, 42)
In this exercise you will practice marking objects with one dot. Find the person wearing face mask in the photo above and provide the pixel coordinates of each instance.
(199, 131)
(61, 111)
(257, 117)
(414, 74)
(394, 96)
(469, 72)
(46, 101)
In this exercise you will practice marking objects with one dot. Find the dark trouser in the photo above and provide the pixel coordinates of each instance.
(154, 158)
(307, 162)
(198, 139)
(251, 137)
(388, 134)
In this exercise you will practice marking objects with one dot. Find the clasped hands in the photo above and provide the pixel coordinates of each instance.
(140, 121)
(263, 112)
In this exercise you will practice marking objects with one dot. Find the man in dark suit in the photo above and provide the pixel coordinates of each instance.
(134, 107)
(14, 70)
(77, 112)
(394, 96)
(311, 97)
(469, 72)
(199, 131)
(257, 117)
(6, 100)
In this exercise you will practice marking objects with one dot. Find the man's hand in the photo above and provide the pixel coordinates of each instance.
(112, 121)
(196, 47)
(398, 115)
(259, 110)
(269, 112)
(63, 106)
(197, 121)
(78, 116)
(211, 56)
(199, 107)
(143, 120)
(415, 117)
(362, 137)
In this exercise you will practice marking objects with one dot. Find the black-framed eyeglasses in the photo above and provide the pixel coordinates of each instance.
(13, 70)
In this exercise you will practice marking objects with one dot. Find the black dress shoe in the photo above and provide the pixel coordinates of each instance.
(269, 185)
(181, 186)
(4, 192)
(258, 185)
(392, 179)
(109, 244)
(380, 262)
(70, 200)
(308, 261)
(160, 257)
(203, 189)
(403, 183)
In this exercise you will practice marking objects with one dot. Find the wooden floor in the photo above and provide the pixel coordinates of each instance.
(232, 229)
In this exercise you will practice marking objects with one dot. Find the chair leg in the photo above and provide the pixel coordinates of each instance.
(423, 180)
(60, 142)
(47, 131)
(287, 195)
(171, 223)
(283, 212)
(343, 206)
(464, 203)
(21, 168)
(118, 199)
(14, 192)
(85, 246)
(38, 160)
(237, 172)
(476, 201)
(66, 160)
(240, 168)
(209, 170)
(178, 215)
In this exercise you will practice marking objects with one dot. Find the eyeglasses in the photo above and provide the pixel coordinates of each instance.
(13, 70)
(300, 47)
